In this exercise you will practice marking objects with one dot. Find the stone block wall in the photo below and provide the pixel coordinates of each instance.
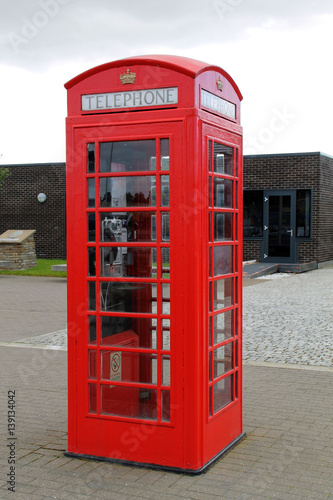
(19, 255)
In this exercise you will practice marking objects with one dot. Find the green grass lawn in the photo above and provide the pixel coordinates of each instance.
(43, 268)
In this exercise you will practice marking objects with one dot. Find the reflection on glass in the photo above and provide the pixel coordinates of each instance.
(127, 156)
(223, 327)
(91, 158)
(223, 263)
(126, 297)
(165, 221)
(165, 406)
(166, 334)
(165, 298)
(166, 370)
(91, 227)
(223, 393)
(128, 332)
(223, 159)
(127, 261)
(92, 261)
(91, 192)
(128, 227)
(92, 329)
(129, 402)
(164, 190)
(164, 154)
(92, 296)
(222, 227)
(92, 364)
(222, 193)
(133, 191)
(165, 262)
(222, 360)
(92, 398)
(223, 293)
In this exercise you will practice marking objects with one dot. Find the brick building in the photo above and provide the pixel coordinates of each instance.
(288, 209)
(20, 209)
(289, 194)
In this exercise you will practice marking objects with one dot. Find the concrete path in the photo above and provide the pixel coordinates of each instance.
(288, 417)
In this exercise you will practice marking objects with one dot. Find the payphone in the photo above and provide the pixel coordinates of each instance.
(154, 190)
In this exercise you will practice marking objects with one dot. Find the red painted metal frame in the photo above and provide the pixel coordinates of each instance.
(192, 438)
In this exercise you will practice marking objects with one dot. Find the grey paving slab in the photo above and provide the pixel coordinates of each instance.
(288, 418)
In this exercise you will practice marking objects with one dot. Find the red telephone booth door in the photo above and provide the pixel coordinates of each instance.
(123, 290)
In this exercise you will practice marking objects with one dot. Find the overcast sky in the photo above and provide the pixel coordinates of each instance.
(277, 51)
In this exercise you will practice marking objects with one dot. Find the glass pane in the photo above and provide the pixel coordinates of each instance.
(129, 402)
(165, 406)
(126, 366)
(92, 398)
(223, 393)
(91, 227)
(92, 329)
(92, 261)
(166, 334)
(210, 226)
(223, 193)
(129, 226)
(165, 262)
(133, 191)
(223, 327)
(91, 158)
(223, 263)
(165, 229)
(253, 214)
(165, 298)
(222, 360)
(127, 297)
(164, 190)
(92, 364)
(223, 159)
(128, 332)
(223, 293)
(210, 198)
(92, 296)
(303, 213)
(223, 227)
(210, 156)
(127, 261)
(210, 254)
(127, 156)
(91, 192)
(166, 370)
(279, 231)
(210, 401)
(164, 154)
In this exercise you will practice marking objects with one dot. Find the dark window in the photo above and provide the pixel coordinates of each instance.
(253, 214)
(303, 213)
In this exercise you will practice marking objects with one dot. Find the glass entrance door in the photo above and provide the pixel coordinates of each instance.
(279, 226)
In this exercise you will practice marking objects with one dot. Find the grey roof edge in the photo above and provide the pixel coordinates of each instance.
(274, 155)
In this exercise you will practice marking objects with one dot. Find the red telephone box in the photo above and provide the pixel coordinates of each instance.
(154, 204)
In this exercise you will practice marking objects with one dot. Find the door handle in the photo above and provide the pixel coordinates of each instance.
(290, 231)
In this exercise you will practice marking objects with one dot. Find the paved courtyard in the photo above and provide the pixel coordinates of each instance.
(288, 401)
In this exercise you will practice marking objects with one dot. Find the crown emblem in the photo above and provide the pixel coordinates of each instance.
(219, 84)
(127, 77)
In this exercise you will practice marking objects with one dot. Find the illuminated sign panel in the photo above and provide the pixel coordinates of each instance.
(218, 104)
(130, 99)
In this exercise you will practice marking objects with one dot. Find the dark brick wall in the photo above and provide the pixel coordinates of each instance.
(19, 208)
(325, 216)
(297, 171)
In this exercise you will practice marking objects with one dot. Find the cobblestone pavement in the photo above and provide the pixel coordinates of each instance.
(290, 320)
(285, 320)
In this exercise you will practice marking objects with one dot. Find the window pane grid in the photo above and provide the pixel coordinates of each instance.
(152, 403)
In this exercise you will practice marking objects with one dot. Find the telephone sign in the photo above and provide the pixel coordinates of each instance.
(154, 193)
